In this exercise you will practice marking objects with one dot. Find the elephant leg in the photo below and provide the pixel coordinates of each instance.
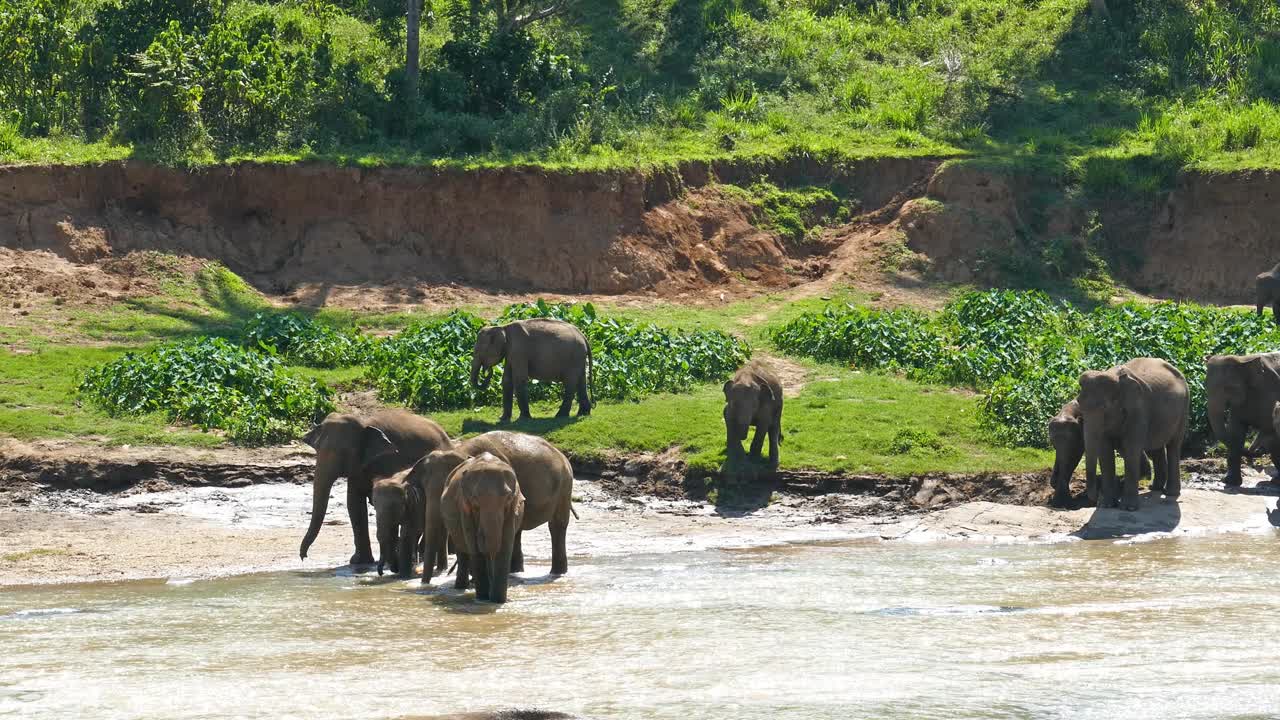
(517, 554)
(464, 572)
(498, 578)
(1173, 477)
(358, 512)
(566, 398)
(1235, 453)
(522, 397)
(1275, 311)
(775, 437)
(507, 389)
(481, 573)
(1159, 476)
(1107, 478)
(584, 395)
(757, 441)
(1132, 463)
(559, 552)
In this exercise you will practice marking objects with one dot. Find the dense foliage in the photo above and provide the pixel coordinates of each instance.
(1154, 84)
(1026, 351)
(210, 383)
(301, 340)
(428, 365)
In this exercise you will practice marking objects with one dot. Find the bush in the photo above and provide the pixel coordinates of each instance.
(1027, 352)
(428, 365)
(210, 383)
(303, 341)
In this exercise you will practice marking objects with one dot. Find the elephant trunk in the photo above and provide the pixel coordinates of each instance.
(499, 565)
(320, 487)
(479, 380)
(1222, 429)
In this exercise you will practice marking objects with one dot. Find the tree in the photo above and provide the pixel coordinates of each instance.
(516, 14)
(413, 20)
(1100, 8)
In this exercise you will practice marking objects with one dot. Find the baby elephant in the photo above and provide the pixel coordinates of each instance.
(483, 509)
(400, 507)
(1066, 434)
(753, 397)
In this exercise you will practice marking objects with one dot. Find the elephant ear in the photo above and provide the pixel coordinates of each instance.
(374, 445)
(1265, 370)
(1131, 385)
(314, 436)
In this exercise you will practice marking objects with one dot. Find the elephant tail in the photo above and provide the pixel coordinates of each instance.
(591, 373)
(574, 511)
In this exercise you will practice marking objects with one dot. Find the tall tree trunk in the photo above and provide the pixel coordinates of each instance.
(413, 20)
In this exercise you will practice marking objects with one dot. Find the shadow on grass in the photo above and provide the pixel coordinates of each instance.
(532, 426)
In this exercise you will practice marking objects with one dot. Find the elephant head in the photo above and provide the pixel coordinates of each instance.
(490, 349)
(1066, 435)
(742, 402)
(490, 510)
(393, 501)
(345, 445)
(1106, 396)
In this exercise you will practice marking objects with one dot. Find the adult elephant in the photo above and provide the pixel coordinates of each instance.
(1142, 407)
(1066, 435)
(542, 349)
(482, 509)
(1267, 285)
(362, 450)
(1241, 391)
(546, 482)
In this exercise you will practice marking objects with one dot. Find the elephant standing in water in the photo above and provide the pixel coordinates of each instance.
(1241, 392)
(483, 509)
(753, 396)
(1141, 406)
(1267, 286)
(1066, 435)
(364, 449)
(399, 509)
(546, 482)
(540, 349)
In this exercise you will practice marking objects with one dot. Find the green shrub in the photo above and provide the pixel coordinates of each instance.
(210, 383)
(303, 341)
(1027, 352)
(428, 366)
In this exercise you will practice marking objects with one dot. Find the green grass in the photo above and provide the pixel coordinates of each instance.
(38, 401)
(842, 421)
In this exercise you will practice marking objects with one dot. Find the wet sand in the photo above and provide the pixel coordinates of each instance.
(66, 536)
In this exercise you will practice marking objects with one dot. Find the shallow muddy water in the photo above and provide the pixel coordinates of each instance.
(1170, 628)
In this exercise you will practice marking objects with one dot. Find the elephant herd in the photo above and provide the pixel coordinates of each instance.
(478, 495)
(428, 492)
(1140, 409)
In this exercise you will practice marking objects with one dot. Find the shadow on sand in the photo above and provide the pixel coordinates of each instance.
(1155, 513)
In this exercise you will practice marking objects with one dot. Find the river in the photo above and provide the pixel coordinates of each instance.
(1170, 628)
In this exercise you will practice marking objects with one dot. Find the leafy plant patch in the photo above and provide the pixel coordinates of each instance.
(210, 383)
(303, 341)
(1026, 351)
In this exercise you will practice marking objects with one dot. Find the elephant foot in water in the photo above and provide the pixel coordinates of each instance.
(362, 559)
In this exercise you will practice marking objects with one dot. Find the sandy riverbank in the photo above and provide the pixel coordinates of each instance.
(59, 536)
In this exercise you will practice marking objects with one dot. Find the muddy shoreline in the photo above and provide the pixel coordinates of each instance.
(72, 513)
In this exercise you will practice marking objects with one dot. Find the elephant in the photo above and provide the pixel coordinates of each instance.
(753, 396)
(542, 349)
(1066, 435)
(546, 482)
(1267, 285)
(399, 509)
(363, 449)
(1140, 406)
(483, 509)
(1240, 394)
